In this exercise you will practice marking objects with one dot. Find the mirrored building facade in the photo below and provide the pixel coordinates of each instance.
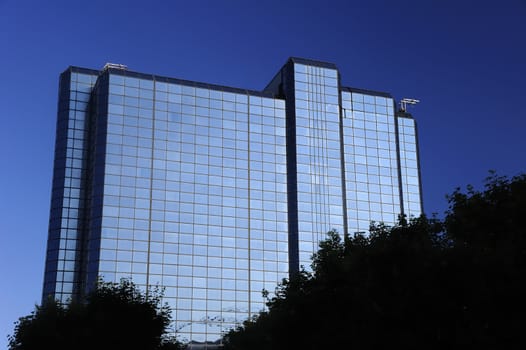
(217, 193)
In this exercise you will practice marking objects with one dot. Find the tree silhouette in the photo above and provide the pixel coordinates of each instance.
(425, 283)
(113, 315)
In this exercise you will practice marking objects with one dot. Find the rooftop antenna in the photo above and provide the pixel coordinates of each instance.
(115, 66)
(405, 101)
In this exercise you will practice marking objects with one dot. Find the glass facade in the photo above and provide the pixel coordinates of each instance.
(217, 193)
(371, 166)
(409, 168)
(67, 214)
(193, 199)
(319, 181)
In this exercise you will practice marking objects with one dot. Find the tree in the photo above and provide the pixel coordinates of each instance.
(113, 315)
(426, 283)
(360, 287)
(492, 220)
(45, 326)
(487, 227)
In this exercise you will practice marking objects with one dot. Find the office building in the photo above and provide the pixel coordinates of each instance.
(217, 192)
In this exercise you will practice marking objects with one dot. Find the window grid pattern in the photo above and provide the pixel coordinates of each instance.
(409, 167)
(195, 199)
(66, 223)
(371, 169)
(319, 185)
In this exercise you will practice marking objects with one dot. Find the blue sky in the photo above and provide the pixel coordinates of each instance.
(465, 61)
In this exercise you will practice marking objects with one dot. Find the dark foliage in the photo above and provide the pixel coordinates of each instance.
(421, 284)
(112, 316)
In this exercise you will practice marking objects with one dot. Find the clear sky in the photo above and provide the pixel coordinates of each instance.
(465, 60)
